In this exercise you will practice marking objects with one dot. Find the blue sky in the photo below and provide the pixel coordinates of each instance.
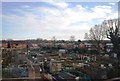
(28, 20)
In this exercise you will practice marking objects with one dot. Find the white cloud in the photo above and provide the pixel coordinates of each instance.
(57, 22)
(104, 9)
(59, 4)
(26, 6)
(80, 8)
(101, 11)
(112, 3)
(112, 16)
(48, 11)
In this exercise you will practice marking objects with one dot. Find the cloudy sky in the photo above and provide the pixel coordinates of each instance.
(29, 20)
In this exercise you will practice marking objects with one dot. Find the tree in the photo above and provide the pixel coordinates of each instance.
(108, 29)
(113, 33)
(8, 46)
(54, 40)
(96, 35)
(72, 38)
(79, 41)
(86, 36)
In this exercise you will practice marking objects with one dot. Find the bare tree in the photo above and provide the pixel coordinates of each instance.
(72, 38)
(54, 40)
(86, 36)
(108, 29)
(96, 33)
(113, 33)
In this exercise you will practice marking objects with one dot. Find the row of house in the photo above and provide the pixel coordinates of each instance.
(17, 44)
(106, 44)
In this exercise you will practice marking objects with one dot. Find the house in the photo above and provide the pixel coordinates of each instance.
(14, 44)
(62, 51)
(82, 45)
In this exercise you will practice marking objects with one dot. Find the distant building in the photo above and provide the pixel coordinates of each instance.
(4, 44)
(90, 46)
(82, 45)
(109, 47)
(62, 51)
(104, 45)
(13, 44)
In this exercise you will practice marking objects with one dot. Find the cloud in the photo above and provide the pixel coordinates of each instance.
(59, 4)
(101, 11)
(26, 6)
(61, 20)
(112, 16)
(112, 3)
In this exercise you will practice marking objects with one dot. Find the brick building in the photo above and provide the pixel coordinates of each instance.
(14, 44)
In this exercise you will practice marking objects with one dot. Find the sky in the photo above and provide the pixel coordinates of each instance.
(31, 20)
